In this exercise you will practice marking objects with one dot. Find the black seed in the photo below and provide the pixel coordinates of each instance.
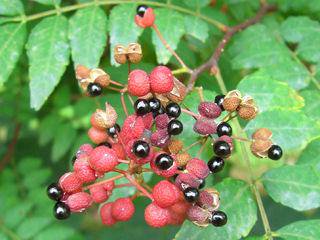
(221, 148)
(219, 218)
(54, 192)
(141, 9)
(224, 128)
(164, 161)
(215, 164)
(141, 149)
(106, 144)
(219, 100)
(202, 183)
(154, 104)
(94, 89)
(173, 110)
(175, 127)
(61, 211)
(113, 131)
(275, 152)
(191, 194)
(141, 107)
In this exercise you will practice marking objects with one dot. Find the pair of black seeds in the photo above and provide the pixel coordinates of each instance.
(60, 209)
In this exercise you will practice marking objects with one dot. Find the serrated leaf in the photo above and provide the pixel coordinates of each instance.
(48, 53)
(306, 33)
(33, 225)
(87, 28)
(63, 140)
(196, 27)
(310, 155)
(291, 129)
(237, 202)
(297, 186)
(268, 93)
(123, 29)
(195, 4)
(256, 47)
(49, 2)
(12, 39)
(312, 103)
(11, 7)
(165, 20)
(309, 230)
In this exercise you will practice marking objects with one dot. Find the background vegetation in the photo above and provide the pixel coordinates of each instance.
(44, 116)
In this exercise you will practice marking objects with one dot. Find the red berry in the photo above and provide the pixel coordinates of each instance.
(122, 209)
(205, 126)
(196, 213)
(164, 173)
(97, 136)
(138, 83)
(161, 80)
(103, 159)
(176, 219)
(131, 155)
(70, 183)
(209, 109)
(160, 138)
(78, 202)
(162, 121)
(84, 149)
(156, 216)
(98, 194)
(83, 170)
(165, 194)
(133, 128)
(180, 207)
(117, 147)
(106, 216)
(148, 120)
(208, 200)
(198, 168)
(146, 20)
(109, 186)
(185, 180)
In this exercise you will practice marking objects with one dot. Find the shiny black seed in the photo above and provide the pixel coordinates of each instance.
(141, 9)
(275, 152)
(141, 148)
(219, 100)
(54, 192)
(164, 161)
(215, 164)
(173, 110)
(221, 148)
(219, 218)
(61, 211)
(202, 183)
(154, 104)
(106, 144)
(94, 89)
(175, 127)
(224, 128)
(191, 194)
(141, 107)
(113, 131)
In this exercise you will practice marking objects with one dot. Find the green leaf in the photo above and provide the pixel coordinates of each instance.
(297, 186)
(87, 28)
(12, 39)
(312, 106)
(123, 29)
(309, 230)
(306, 33)
(196, 27)
(195, 4)
(48, 53)
(11, 7)
(63, 140)
(46, 129)
(15, 215)
(270, 94)
(268, 53)
(310, 155)
(32, 225)
(291, 129)
(165, 20)
(242, 9)
(237, 202)
(49, 2)
(52, 232)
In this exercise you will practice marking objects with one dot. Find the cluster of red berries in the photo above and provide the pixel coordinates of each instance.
(149, 138)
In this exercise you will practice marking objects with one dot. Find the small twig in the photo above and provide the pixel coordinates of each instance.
(104, 181)
(212, 63)
(123, 161)
(116, 83)
(124, 185)
(196, 116)
(139, 187)
(123, 103)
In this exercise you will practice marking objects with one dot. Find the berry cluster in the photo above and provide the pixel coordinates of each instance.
(148, 142)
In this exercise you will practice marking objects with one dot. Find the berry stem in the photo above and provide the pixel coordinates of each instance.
(104, 181)
(190, 113)
(191, 145)
(114, 89)
(120, 171)
(139, 187)
(116, 83)
(180, 71)
(123, 103)
(202, 146)
(124, 185)
(167, 46)
(131, 100)
(123, 161)
(200, 93)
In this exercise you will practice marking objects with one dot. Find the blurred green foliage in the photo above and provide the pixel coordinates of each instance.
(44, 117)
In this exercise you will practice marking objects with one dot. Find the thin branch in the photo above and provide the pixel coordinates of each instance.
(212, 63)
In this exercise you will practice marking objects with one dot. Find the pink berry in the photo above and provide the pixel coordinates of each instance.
(209, 109)
(161, 80)
(117, 147)
(98, 194)
(164, 173)
(156, 216)
(148, 120)
(97, 136)
(138, 83)
(109, 186)
(84, 149)
(106, 216)
(146, 20)
(122, 209)
(103, 159)
(166, 194)
(185, 180)
(205, 126)
(196, 213)
(160, 138)
(70, 183)
(83, 170)
(162, 121)
(198, 168)
(78, 202)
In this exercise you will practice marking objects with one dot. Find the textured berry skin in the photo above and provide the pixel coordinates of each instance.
(148, 120)
(147, 20)
(98, 194)
(78, 202)
(205, 126)
(161, 80)
(138, 83)
(83, 170)
(108, 186)
(165, 194)
(69, 183)
(122, 209)
(106, 216)
(196, 213)
(205, 199)
(185, 180)
(209, 109)
(133, 128)
(198, 168)
(162, 121)
(84, 149)
(164, 173)
(103, 159)
(97, 136)
(160, 138)
(180, 207)
(156, 216)
(117, 147)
